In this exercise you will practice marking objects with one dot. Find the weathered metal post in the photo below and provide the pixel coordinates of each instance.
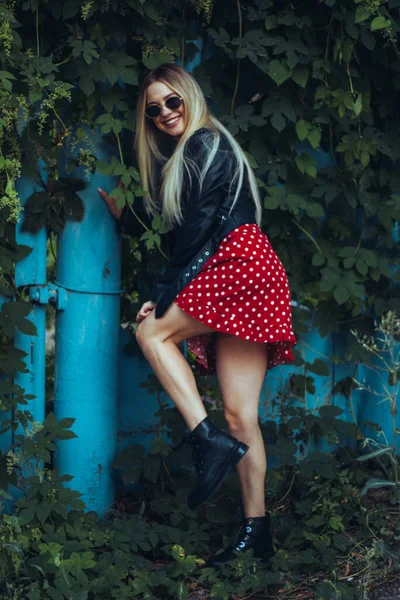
(87, 333)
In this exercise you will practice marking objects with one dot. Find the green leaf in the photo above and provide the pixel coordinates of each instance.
(347, 49)
(336, 523)
(178, 553)
(5, 80)
(26, 327)
(380, 23)
(43, 511)
(182, 591)
(306, 165)
(109, 71)
(315, 521)
(348, 263)
(151, 467)
(302, 129)
(362, 267)
(364, 158)
(278, 121)
(319, 367)
(358, 105)
(252, 161)
(156, 59)
(314, 210)
(362, 13)
(87, 85)
(318, 259)
(341, 294)
(37, 202)
(367, 39)
(271, 22)
(330, 411)
(278, 71)
(27, 514)
(300, 76)
(314, 137)
(271, 202)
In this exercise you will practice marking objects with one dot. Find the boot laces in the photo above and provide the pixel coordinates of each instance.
(195, 454)
(243, 537)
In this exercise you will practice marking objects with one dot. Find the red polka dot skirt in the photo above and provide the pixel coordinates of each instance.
(241, 290)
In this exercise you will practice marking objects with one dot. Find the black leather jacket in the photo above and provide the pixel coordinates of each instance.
(205, 216)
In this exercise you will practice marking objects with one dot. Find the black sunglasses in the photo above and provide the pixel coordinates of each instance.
(154, 110)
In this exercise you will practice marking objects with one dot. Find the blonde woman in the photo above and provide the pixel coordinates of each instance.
(225, 290)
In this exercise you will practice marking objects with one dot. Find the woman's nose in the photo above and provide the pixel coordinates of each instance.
(165, 110)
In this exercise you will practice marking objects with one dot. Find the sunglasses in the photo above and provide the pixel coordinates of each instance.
(154, 110)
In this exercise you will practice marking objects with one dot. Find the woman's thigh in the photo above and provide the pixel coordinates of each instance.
(175, 325)
(241, 367)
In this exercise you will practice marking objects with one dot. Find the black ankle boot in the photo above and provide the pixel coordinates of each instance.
(214, 454)
(255, 533)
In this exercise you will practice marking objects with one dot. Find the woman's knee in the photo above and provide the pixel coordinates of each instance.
(145, 336)
(240, 419)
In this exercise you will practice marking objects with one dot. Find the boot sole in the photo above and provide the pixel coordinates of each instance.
(215, 564)
(228, 466)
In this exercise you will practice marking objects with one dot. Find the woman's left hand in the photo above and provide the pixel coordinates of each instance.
(146, 309)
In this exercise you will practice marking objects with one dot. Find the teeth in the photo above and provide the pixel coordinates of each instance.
(171, 121)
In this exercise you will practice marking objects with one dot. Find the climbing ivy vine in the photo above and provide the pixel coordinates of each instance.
(309, 91)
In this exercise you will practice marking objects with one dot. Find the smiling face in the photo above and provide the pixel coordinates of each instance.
(170, 121)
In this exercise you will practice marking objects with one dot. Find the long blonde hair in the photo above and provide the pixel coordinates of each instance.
(162, 175)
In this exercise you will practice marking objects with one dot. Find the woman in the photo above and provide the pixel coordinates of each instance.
(225, 290)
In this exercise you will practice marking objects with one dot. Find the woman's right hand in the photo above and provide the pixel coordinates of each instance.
(146, 309)
(111, 202)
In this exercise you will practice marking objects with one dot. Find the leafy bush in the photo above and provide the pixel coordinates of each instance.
(310, 91)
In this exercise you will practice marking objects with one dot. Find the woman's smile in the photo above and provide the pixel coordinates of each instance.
(169, 121)
(172, 122)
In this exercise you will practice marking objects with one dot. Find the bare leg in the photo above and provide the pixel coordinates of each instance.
(241, 369)
(158, 339)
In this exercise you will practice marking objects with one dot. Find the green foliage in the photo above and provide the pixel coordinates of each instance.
(54, 205)
(157, 549)
(312, 77)
(293, 83)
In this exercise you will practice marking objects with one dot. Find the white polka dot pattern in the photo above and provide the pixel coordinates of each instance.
(242, 290)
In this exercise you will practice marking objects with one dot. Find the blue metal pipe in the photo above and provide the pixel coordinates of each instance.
(87, 335)
(31, 271)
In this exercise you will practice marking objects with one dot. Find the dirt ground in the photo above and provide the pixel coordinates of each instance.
(388, 591)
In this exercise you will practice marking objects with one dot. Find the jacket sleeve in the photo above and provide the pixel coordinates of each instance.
(200, 205)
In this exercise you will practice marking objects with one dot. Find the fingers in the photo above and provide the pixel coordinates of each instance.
(141, 316)
(111, 203)
(256, 98)
(144, 312)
